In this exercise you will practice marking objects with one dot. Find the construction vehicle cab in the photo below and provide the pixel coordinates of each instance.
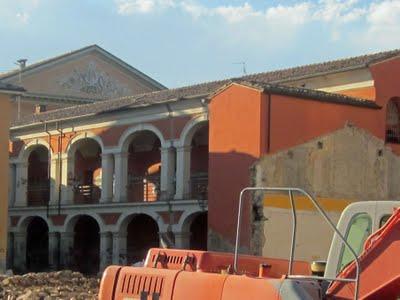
(357, 221)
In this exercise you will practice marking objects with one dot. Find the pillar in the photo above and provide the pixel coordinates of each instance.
(10, 251)
(66, 249)
(54, 181)
(67, 174)
(21, 184)
(182, 240)
(167, 173)
(107, 174)
(119, 252)
(53, 250)
(182, 172)
(12, 185)
(106, 249)
(20, 251)
(121, 177)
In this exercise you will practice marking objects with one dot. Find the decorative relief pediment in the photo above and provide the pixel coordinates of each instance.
(94, 82)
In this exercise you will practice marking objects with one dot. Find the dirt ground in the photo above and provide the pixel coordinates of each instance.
(48, 286)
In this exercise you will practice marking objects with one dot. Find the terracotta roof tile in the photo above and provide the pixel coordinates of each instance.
(205, 89)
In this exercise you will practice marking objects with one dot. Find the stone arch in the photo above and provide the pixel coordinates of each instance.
(142, 233)
(29, 147)
(125, 218)
(84, 174)
(74, 142)
(36, 229)
(71, 220)
(124, 140)
(195, 226)
(190, 129)
(85, 251)
(24, 222)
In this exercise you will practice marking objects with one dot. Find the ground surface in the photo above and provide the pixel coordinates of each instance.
(49, 286)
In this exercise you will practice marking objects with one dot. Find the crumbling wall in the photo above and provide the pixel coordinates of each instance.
(347, 165)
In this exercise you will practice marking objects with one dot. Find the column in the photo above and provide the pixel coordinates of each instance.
(20, 251)
(120, 177)
(53, 250)
(106, 249)
(21, 184)
(67, 173)
(54, 181)
(119, 253)
(167, 173)
(107, 174)
(12, 185)
(182, 240)
(182, 172)
(10, 251)
(66, 249)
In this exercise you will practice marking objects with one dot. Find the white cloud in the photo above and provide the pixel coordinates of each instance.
(129, 7)
(338, 11)
(384, 23)
(194, 9)
(297, 14)
(380, 18)
(236, 13)
(23, 17)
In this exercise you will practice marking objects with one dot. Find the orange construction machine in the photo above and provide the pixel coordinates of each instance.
(359, 265)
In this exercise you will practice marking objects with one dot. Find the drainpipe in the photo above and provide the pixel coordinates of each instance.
(269, 124)
(48, 168)
(59, 146)
(171, 134)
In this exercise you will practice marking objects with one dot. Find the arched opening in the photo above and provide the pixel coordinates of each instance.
(142, 234)
(37, 245)
(38, 188)
(199, 163)
(198, 232)
(86, 250)
(86, 177)
(393, 121)
(144, 167)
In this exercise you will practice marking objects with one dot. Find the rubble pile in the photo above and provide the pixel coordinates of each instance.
(49, 286)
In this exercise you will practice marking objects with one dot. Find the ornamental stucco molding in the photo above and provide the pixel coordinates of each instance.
(94, 82)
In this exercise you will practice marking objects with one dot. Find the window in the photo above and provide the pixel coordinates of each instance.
(359, 229)
(392, 122)
(384, 220)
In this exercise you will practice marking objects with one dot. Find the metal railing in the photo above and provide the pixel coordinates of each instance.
(199, 186)
(144, 188)
(86, 193)
(38, 193)
(290, 192)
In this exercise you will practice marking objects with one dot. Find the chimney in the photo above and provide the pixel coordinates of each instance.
(39, 108)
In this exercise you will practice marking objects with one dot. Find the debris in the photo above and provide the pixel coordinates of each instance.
(49, 286)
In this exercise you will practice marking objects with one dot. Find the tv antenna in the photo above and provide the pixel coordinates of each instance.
(243, 64)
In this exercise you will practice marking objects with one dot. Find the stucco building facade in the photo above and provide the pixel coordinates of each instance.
(109, 179)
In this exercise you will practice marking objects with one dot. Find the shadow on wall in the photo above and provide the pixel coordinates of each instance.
(229, 173)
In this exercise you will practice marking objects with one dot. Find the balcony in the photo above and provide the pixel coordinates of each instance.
(38, 193)
(86, 194)
(199, 186)
(143, 188)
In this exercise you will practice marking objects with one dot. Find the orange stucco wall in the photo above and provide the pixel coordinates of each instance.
(295, 121)
(170, 128)
(365, 93)
(235, 130)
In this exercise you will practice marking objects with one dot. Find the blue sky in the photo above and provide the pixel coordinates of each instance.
(181, 42)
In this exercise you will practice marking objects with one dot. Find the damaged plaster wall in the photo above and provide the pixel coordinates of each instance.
(347, 164)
